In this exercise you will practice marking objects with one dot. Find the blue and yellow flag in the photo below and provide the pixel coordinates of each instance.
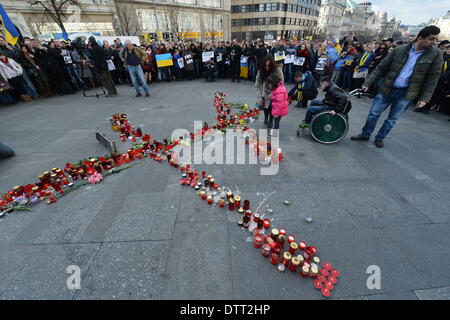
(164, 60)
(11, 33)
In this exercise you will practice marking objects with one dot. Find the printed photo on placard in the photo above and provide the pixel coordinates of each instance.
(219, 57)
(180, 62)
(188, 59)
(279, 55)
(321, 64)
(299, 61)
(290, 58)
(206, 56)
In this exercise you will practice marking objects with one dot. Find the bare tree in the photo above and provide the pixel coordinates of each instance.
(174, 24)
(55, 9)
(126, 16)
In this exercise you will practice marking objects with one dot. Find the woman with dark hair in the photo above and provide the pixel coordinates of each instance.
(37, 75)
(267, 68)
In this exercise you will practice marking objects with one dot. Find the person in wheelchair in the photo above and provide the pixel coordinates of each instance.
(335, 100)
(305, 89)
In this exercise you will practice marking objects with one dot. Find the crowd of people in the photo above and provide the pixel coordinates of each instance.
(32, 69)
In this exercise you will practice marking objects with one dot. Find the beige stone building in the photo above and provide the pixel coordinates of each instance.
(186, 19)
(282, 19)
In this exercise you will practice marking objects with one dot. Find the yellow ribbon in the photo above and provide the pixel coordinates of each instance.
(363, 59)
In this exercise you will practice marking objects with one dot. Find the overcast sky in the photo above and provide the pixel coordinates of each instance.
(412, 11)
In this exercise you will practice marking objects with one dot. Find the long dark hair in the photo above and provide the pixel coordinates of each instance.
(273, 65)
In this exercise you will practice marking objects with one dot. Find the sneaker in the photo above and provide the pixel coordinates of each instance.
(379, 143)
(138, 95)
(304, 125)
(147, 94)
(269, 132)
(359, 138)
(417, 110)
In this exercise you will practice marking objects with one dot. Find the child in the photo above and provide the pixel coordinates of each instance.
(305, 89)
(279, 103)
(335, 100)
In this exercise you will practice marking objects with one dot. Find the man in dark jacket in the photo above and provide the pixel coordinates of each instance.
(410, 73)
(235, 61)
(305, 89)
(335, 100)
(101, 66)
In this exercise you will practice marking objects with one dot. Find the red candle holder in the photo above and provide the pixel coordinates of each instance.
(274, 258)
(304, 271)
(222, 203)
(266, 224)
(294, 264)
(246, 205)
(293, 248)
(258, 241)
(302, 245)
(286, 260)
(265, 250)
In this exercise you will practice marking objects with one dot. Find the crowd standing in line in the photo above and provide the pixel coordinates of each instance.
(33, 69)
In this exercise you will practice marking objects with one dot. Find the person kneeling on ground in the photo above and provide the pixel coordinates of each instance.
(335, 100)
(305, 89)
(211, 70)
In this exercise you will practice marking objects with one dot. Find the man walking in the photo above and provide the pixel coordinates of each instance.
(132, 58)
(410, 73)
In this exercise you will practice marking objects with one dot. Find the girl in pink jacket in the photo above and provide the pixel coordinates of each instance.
(279, 103)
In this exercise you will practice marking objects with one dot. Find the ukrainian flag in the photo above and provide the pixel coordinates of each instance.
(244, 68)
(164, 60)
(11, 33)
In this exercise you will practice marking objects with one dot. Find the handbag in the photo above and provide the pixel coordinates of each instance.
(261, 106)
(4, 85)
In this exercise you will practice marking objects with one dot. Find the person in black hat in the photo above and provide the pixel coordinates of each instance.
(101, 66)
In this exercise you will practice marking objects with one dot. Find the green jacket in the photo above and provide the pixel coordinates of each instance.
(124, 55)
(423, 80)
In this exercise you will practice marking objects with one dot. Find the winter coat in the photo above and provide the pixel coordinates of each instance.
(423, 79)
(261, 90)
(335, 99)
(280, 106)
(11, 69)
(308, 87)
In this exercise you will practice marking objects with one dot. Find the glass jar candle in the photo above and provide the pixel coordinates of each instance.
(256, 217)
(304, 271)
(203, 195)
(241, 210)
(265, 250)
(272, 244)
(281, 240)
(82, 174)
(221, 203)
(314, 272)
(258, 240)
(275, 233)
(237, 201)
(293, 247)
(291, 239)
(210, 200)
(266, 224)
(274, 257)
(282, 232)
(309, 252)
(302, 245)
(229, 195)
(231, 204)
(286, 260)
(246, 205)
(294, 264)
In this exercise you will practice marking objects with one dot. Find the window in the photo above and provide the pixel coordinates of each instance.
(273, 20)
(212, 22)
(188, 1)
(206, 3)
(289, 7)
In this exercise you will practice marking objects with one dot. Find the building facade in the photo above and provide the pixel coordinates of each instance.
(283, 19)
(176, 19)
(387, 26)
(330, 18)
(443, 23)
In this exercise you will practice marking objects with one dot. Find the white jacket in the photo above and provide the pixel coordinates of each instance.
(11, 69)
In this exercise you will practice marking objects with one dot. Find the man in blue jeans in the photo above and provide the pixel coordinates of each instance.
(410, 73)
(132, 58)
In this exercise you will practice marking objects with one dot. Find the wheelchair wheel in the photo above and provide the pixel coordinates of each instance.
(327, 129)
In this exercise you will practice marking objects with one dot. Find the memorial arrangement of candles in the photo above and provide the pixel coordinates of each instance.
(281, 249)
